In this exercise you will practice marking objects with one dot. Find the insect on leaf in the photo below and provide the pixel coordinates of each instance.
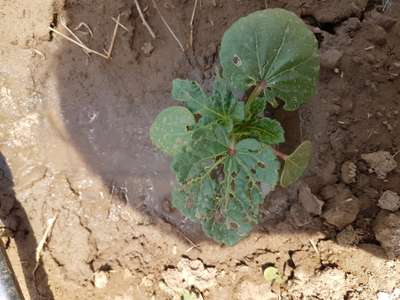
(169, 131)
(274, 46)
(296, 164)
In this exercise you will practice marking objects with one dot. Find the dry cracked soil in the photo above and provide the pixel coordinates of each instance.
(74, 145)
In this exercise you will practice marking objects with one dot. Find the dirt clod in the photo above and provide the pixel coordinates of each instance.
(380, 162)
(387, 232)
(331, 58)
(310, 202)
(342, 210)
(249, 290)
(330, 284)
(147, 48)
(188, 273)
(389, 201)
(348, 172)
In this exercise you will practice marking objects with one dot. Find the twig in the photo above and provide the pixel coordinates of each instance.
(80, 44)
(194, 246)
(314, 246)
(144, 20)
(281, 155)
(191, 23)
(42, 242)
(168, 27)
(120, 25)
(83, 24)
(110, 49)
(40, 53)
(62, 22)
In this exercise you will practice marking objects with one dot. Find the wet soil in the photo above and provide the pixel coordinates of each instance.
(74, 134)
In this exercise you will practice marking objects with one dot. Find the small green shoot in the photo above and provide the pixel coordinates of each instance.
(271, 275)
(223, 147)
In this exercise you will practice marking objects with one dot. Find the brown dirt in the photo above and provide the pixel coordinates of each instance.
(74, 137)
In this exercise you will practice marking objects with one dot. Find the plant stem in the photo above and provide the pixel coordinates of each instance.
(280, 155)
(259, 88)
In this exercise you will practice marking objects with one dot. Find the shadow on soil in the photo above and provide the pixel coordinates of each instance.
(14, 218)
(108, 106)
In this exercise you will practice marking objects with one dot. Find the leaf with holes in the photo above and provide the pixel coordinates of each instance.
(221, 144)
(276, 47)
(169, 131)
(221, 107)
(220, 183)
(296, 164)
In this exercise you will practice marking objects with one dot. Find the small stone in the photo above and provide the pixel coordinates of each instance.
(348, 172)
(387, 232)
(310, 202)
(389, 201)
(100, 279)
(342, 210)
(331, 58)
(380, 162)
(147, 48)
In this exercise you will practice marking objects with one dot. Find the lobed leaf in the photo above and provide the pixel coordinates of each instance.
(275, 46)
(265, 130)
(169, 131)
(221, 107)
(220, 183)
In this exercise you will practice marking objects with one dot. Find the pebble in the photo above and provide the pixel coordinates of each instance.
(348, 172)
(342, 210)
(100, 279)
(380, 162)
(147, 48)
(389, 201)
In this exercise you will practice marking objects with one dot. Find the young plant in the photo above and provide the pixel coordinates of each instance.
(223, 147)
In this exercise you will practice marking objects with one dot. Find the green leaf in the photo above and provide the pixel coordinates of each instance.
(266, 130)
(275, 46)
(222, 106)
(187, 295)
(220, 183)
(296, 164)
(255, 108)
(169, 131)
(271, 275)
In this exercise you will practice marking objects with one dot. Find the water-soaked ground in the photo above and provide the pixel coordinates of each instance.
(74, 131)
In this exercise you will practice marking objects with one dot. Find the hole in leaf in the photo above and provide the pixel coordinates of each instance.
(233, 226)
(237, 61)
(260, 164)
